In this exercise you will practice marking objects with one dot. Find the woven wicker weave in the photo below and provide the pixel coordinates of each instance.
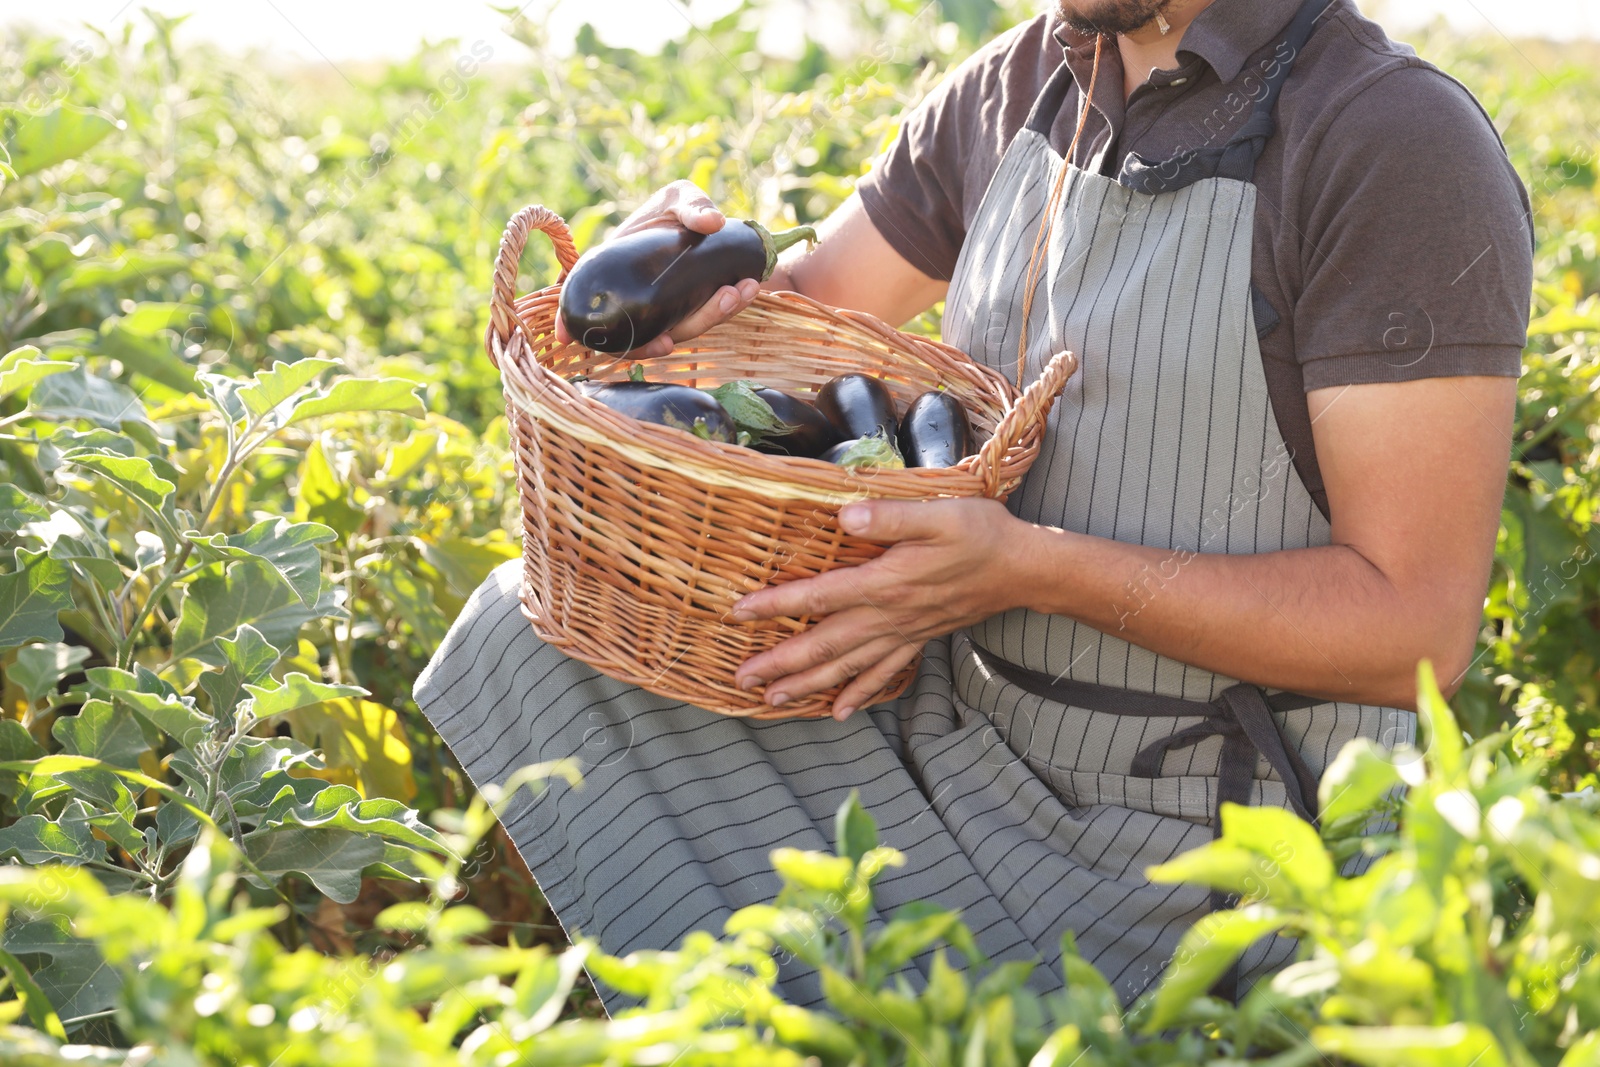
(638, 538)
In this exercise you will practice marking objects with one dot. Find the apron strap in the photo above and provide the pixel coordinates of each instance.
(1237, 158)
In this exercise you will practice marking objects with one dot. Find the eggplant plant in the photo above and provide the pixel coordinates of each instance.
(157, 650)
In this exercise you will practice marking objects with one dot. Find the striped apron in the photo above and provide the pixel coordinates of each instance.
(1036, 768)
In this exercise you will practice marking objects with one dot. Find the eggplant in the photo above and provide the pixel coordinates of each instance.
(935, 431)
(630, 291)
(808, 433)
(858, 406)
(680, 406)
(873, 451)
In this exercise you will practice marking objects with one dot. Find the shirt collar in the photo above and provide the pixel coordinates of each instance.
(1225, 35)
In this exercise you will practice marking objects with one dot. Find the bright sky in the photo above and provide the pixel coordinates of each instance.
(363, 29)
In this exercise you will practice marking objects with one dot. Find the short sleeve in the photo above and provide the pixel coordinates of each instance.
(1417, 255)
(917, 192)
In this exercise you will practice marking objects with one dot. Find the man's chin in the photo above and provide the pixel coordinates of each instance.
(1109, 17)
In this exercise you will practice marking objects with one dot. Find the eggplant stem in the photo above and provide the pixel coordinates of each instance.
(774, 243)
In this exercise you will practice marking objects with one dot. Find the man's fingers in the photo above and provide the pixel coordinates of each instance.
(693, 207)
(896, 520)
(814, 597)
(724, 302)
(833, 670)
(868, 683)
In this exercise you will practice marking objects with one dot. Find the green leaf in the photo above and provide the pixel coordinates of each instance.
(1220, 864)
(1289, 845)
(36, 140)
(1453, 1045)
(364, 737)
(813, 870)
(154, 701)
(1207, 950)
(177, 717)
(20, 368)
(1585, 1052)
(40, 668)
(748, 411)
(101, 731)
(257, 770)
(946, 993)
(34, 839)
(289, 548)
(19, 509)
(249, 593)
(132, 266)
(40, 1011)
(322, 496)
(855, 832)
(294, 692)
(31, 597)
(331, 859)
(76, 979)
(1442, 738)
(813, 1033)
(16, 743)
(412, 598)
(76, 541)
(272, 387)
(341, 807)
(247, 657)
(137, 477)
(1358, 778)
(902, 939)
(77, 394)
(359, 394)
(466, 562)
(144, 340)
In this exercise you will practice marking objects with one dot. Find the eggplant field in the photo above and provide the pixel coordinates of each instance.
(254, 461)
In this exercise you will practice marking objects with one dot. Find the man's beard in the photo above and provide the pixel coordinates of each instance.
(1109, 17)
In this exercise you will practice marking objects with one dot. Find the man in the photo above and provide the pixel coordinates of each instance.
(1295, 265)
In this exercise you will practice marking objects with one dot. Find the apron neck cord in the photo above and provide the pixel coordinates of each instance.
(1041, 240)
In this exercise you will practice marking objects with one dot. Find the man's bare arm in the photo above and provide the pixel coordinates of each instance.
(852, 266)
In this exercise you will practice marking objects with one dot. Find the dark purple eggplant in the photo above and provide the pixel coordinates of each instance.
(872, 451)
(630, 291)
(809, 432)
(935, 431)
(680, 406)
(858, 406)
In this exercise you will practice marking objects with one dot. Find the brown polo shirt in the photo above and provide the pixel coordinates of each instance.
(1392, 235)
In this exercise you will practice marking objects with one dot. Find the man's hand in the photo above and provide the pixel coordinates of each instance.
(953, 563)
(683, 204)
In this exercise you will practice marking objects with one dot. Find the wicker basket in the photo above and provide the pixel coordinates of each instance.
(638, 538)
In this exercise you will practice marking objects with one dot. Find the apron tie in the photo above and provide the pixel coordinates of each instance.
(1241, 716)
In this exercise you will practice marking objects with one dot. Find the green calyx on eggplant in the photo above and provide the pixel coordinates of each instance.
(875, 451)
(935, 431)
(858, 405)
(775, 422)
(631, 290)
(680, 406)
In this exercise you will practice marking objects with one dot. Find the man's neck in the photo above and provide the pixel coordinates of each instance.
(1150, 49)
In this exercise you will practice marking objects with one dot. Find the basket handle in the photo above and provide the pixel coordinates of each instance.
(1031, 407)
(502, 310)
